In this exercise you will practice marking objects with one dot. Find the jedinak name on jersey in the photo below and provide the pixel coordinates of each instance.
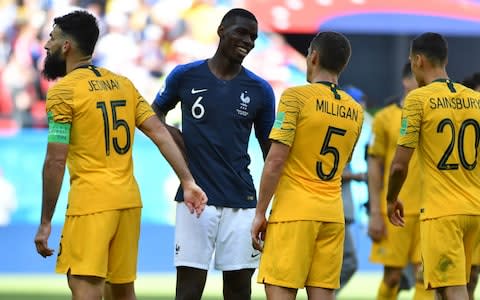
(337, 110)
(103, 85)
(454, 103)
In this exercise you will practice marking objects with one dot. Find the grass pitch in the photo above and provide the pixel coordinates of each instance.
(363, 286)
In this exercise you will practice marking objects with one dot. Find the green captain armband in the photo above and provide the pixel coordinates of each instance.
(58, 132)
(404, 127)
(279, 120)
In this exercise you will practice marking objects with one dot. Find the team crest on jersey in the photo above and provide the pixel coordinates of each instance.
(244, 101)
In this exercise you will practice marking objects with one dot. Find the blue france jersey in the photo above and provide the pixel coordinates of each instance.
(217, 119)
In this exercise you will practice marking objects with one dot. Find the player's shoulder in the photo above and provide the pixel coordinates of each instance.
(384, 116)
(184, 68)
(466, 91)
(116, 76)
(63, 88)
(256, 78)
(421, 93)
(301, 93)
(388, 110)
(298, 89)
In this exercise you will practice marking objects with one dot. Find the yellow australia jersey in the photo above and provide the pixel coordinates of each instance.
(441, 120)
(321, 125)
(383, 144)
(103, 109)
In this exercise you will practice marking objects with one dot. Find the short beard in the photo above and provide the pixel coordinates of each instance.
(54, 66)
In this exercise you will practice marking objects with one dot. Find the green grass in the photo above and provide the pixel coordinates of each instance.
(363, 286)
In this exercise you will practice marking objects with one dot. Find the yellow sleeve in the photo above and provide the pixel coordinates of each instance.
(412, 115)
(59, 103)
(378, 142)
(143, 110)
(285, 124)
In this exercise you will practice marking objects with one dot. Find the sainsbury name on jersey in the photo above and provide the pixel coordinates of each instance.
(454, 103)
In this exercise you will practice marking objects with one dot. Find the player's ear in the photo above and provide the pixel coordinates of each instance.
(67, 45)
(416, 60)
(220, 31)
(314, 57)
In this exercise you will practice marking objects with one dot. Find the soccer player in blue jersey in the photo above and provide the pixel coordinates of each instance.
(220, 101)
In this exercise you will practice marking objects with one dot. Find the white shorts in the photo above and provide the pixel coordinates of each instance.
(221, 229)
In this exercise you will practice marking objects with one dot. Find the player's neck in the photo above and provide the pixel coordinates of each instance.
(434, 74)
(76, 63)
(322, 76)
(223, 68)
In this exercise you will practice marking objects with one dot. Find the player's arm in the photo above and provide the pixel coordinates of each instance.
(377, 150)
(412, 115)
(375, 182)
(398, 174)
(348, 176)
(194, 197)
(174, 131)
(265, 146)
(264, 121)
(53, 172)
(272, 171)
(376, 224)
(52, 178)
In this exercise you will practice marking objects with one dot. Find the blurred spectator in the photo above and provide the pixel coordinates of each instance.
(8, 201)
(141, 39)
(473, 81)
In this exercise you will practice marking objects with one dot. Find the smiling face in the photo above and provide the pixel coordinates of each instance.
(55, 64)
(237, 38)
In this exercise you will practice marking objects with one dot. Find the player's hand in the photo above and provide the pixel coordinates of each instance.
(258, 231)
(41, 240)
(395, 213)
(194, 198)
(376, 227)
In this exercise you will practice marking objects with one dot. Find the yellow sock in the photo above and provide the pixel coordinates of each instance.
(422, 294)
(387, 293)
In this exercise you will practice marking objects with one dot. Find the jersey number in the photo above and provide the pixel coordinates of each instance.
(326, 149)
(442, 164)
(198, 110)
(117, 123)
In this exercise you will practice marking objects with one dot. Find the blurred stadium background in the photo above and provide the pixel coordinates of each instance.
(144, 40)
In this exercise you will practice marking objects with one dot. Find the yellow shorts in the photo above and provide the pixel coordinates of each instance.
(103, 244)
(447, 247)
(302, 253)
(400, 246)
(476, 253)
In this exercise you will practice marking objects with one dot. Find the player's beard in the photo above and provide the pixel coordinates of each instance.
(54, 66)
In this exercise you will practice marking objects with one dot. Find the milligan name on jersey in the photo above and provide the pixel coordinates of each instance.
(103, 85)
(337, 110)
(455, 103)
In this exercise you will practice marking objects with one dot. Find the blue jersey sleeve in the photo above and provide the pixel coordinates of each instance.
(167, 97)
(264, 120)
